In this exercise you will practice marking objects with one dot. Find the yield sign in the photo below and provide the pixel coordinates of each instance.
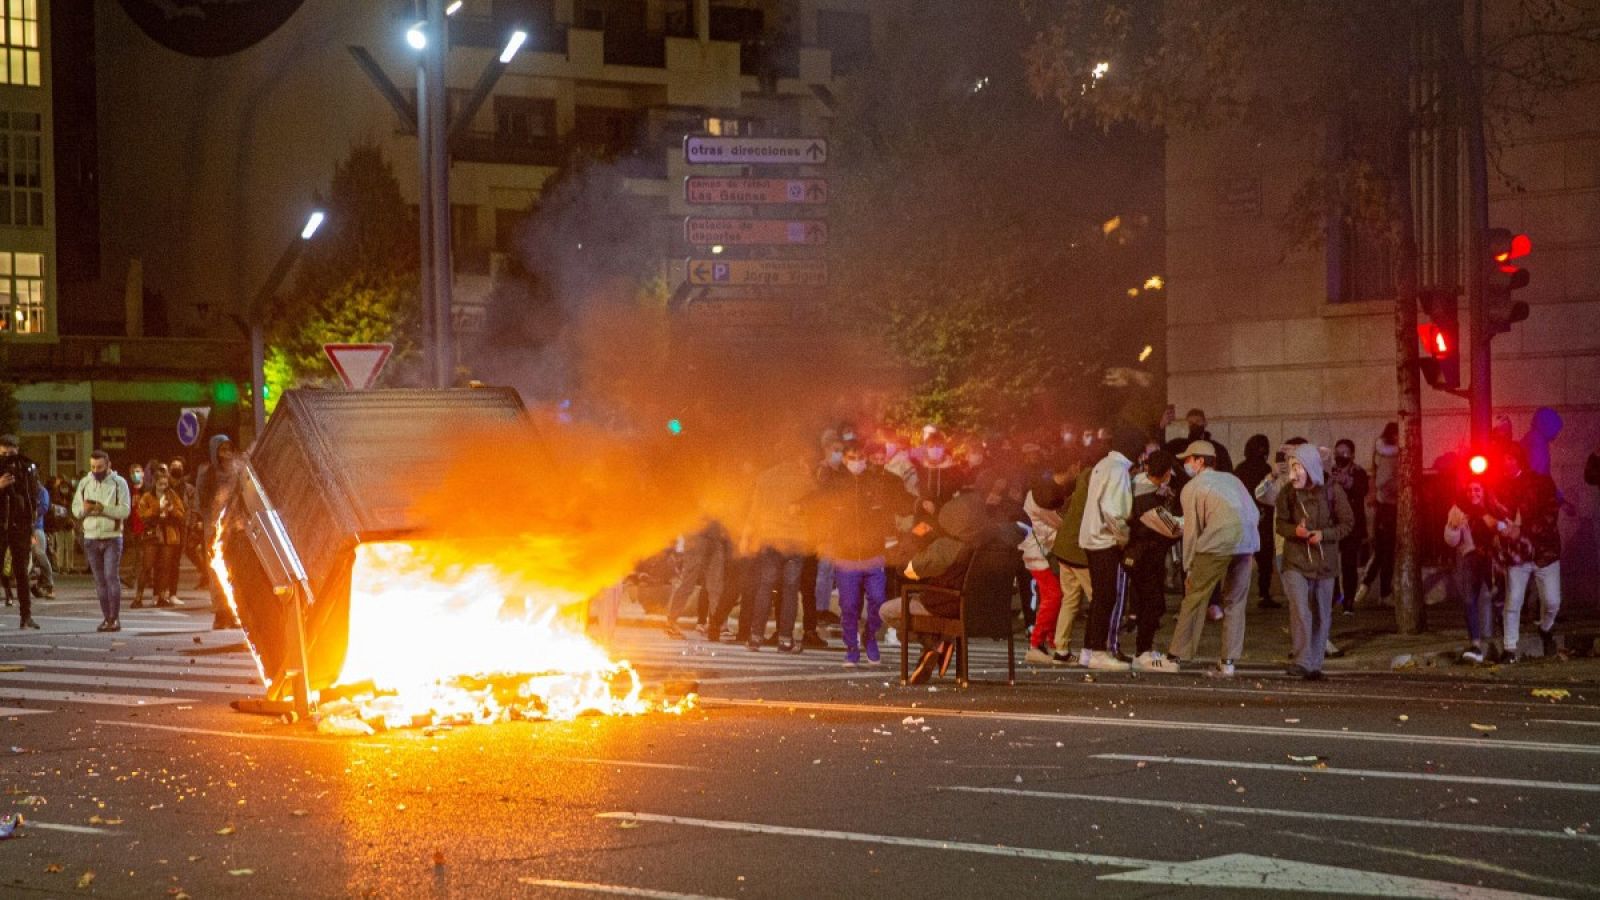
(358, 365)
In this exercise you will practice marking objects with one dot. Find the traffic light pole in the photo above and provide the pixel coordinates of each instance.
(1481, 391)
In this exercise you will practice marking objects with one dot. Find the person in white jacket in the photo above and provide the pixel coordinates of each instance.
(1102, 535)
(102, 503)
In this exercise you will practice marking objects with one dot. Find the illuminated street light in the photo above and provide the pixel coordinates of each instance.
(716, 248)
(1100, 70)
(417, 36)
(312, 224)
(513, 45)
(1154, 283)
(1145, 353)
(453, 8)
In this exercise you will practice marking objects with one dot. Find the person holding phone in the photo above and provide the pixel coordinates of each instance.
(102, 502)
(1312, 517)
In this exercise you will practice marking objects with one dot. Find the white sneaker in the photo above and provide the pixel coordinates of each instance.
(1102, 661)
(1037, 657)
(1223, 669)
(891, 638)
(1083, 658)
(1154, 661)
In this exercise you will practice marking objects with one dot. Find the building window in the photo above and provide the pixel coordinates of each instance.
(22, 293)
(524, 120)
(21, 174)
(19, 52)
(1362, 265)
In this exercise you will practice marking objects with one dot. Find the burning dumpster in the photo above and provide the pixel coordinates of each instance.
(339, 582)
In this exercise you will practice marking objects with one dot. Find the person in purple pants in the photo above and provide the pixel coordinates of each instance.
(855, 512)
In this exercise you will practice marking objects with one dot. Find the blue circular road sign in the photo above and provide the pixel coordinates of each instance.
(188, 428)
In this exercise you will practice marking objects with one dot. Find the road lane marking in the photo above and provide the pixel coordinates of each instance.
(41, 645)
(1319, 815)
(619, 889)
(1360, 773)
(239, 662)
(1237, 870)
(298, 739)
(1377, 737)
(1567, 722)
(1067, 856)
(633, 764)
(70, 829)
(110, 666)
(8, 711)
(1448, 860)
(159, 684)
(89, 697)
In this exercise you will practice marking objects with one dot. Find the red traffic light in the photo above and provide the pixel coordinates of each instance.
(1479, 464)
(1434, 339)
(1516, 247)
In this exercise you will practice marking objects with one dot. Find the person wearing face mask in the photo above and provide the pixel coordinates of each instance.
(1529, 546)
(177, 471)
(1469, 529)
(938, 476)
(1146, 557)
(816, 577)
(1196, 420)
(133, 556)
(147, 554)
(19, 499)
(1221, 532)
(103, 502)
(161, 507)
(1352, 479)
(855, 514)
(1103, 534)
(1255, 470)
(1312, 517)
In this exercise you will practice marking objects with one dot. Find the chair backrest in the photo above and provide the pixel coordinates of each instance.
(986, 592)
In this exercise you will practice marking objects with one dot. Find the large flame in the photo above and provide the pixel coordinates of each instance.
(439, 633)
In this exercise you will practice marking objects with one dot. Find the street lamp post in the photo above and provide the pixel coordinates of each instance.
(258, 311)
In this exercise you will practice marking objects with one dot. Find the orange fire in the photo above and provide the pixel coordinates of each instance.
(443, 634)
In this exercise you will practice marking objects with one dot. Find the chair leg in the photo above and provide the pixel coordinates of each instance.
(961, 667)
(905, 640)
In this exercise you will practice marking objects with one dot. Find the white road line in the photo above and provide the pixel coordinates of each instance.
(242, 661)
(112, 666)
(1567, 722)
(1092, 859)
(1330, 734)
(618, 889)
(1318, 815)
(1359, 773)
(89, 697)
(7, 711)
(70, 829)
(884, 673)
(41, 645)
(1449, 860)
(633, 764)
(1161, 683)
(297, 739)
(156, 684)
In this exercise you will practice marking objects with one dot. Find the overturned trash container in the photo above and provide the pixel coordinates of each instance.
(332, 471)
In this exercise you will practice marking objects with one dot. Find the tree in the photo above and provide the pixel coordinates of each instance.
(357, 282)
(1346, 70)
(10, 411)
(979, 238)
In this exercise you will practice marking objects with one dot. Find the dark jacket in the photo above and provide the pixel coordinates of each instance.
(1319, 507)
(1591, 469)
(1254, 470)
(1066, 547)
(1176, 446)
(19, 503)
(1146, 547)
(965, 527)
(1355, 482)
(1530, 499)
(855, 514)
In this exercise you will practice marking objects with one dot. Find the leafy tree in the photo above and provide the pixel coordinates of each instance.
(357, 282)
(10, 410)
(968, 230)
(1344, 70)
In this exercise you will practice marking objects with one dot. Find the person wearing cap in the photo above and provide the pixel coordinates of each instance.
(1102, 534)
(1221, 534)
(103, 502)
(19, 501)
(1311, 516)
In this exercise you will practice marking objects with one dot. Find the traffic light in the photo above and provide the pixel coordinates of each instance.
(1479, 464)
(1441, 338)
(1503, 275)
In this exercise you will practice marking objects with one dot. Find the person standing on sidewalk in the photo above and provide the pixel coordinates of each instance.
(1076, 586)
(1385, 501)
(1102, 534)
(102, 502)
(1255, 470)
(855, 513)
(19, 500)
(1468, 528)
(41, 546)
(1530, 549)
(1146, 559)
(162, 510)
(1221, 532)
(1349, 476)
(1312, 517)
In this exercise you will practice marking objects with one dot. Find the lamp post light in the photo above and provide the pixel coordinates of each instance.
(258, 312)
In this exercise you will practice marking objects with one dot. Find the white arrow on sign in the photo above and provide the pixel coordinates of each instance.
(358, 365)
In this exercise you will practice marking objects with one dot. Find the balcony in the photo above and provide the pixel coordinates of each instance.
(124, 358)
(492, 147)
(646, 49)
(489, 33)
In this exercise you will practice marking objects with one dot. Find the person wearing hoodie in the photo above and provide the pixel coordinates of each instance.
(1146, 558)
(215, 484)
(1102, 534)
(855, 514)
(1542, 432)
(102, 502)
(1385, 500)
(1469, 530)
(1312, 517)
(1221, 533)
(939, 477)
(1252, 472)
(1529, 548)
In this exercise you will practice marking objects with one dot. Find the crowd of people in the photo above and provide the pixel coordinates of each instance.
(1104, 524)
(154, 516)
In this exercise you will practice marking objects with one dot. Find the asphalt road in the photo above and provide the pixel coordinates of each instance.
(794, 778)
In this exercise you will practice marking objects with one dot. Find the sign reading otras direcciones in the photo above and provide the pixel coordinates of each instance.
(732, 151)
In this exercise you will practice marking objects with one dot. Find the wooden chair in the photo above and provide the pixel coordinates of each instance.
(985, 604)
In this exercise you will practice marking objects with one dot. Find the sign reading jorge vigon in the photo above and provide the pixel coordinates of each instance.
(751, 272)
(755, 151)
(209, 27)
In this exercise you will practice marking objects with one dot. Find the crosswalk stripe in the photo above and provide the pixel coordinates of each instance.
(159, 684)
(108, 666)
(230, 660)
(89, 697)
(8, 711)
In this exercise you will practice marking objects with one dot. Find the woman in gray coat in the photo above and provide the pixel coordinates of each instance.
(1312, 517)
